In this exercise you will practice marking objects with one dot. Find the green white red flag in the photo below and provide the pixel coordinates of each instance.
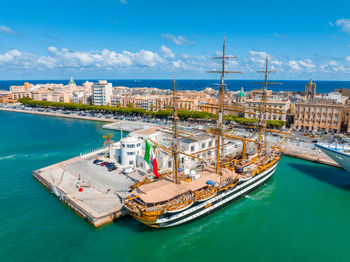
(150, 158)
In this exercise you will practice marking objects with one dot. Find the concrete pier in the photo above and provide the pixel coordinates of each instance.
(310, 154)
(100, 202)
(128, 126)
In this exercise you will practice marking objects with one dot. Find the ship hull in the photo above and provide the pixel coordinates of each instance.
(342, 159)
(223, 199)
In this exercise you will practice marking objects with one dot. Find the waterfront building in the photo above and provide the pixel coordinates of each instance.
(102, 93)
(257, 94)
(321, 115)
(88, 86)
(6, 97)
(21, 91)
(81, 97)
(275, 108)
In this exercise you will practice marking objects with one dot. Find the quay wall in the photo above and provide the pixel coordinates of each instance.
(58, 115)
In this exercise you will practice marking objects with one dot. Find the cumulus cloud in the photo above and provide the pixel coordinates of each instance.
(259, 58)
(332, 66)
(166, 51)
(302, 65)
(178, 40)
(164, 60)
(344, 24)
(6, 30)
(124, 2)
(105, 58)
(70, 59)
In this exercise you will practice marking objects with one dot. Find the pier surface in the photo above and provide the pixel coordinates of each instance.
(310, 154)
(100, 202)
(126, 125)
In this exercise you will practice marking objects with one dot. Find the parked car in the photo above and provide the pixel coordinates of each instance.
(97, 162)
(111, 168)
(103, 163)
(109, 165)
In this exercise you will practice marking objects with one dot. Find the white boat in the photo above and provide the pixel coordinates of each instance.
(339, 153)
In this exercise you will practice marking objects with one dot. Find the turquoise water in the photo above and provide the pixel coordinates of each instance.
(302, 214)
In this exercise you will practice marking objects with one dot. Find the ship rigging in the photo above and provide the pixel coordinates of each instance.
(176, 198)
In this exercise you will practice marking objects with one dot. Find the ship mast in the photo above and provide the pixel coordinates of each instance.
(263, 111)
(219, 127)
(175, 149)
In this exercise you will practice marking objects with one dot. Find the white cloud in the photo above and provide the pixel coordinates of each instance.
(166, 51)
(259, 59)
(10, 56)
(61, 59)
(105, 58)
(178, 40)
(302, 65)
(124, 2)
(6, 30)
(344, 24)
(332, 66)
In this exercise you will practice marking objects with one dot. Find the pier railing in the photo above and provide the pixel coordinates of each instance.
(92, 152)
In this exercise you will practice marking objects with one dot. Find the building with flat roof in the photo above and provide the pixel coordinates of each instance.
(274, 106)
(320, 116)
(102, 93)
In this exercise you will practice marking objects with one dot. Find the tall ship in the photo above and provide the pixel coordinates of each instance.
(339, 153)
(176, 198)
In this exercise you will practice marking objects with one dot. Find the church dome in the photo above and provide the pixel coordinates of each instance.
(71, 82)
(242, 93)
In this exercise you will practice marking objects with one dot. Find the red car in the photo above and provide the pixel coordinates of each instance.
(104, 163)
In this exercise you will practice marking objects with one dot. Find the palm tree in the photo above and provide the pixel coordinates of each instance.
(119, 105)
(109, 142)
(131, 105)
(108, 139)
(152, 106)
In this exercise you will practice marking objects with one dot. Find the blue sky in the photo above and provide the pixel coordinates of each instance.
(153, 39)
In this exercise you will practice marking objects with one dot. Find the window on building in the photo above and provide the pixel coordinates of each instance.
(169, 164)
(131, 153)
(131, 162)
(130, 146)
(210, 143)
(192, 148)
(203, 145)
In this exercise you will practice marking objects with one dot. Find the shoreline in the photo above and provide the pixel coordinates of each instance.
(59, 115)
(305, 155)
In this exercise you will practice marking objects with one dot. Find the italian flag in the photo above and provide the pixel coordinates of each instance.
(150, 158)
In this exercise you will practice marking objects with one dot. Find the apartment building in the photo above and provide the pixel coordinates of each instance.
(321, 116)
(276, 110)
(102, 93)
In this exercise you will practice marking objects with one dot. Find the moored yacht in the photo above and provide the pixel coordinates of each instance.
(339, 153)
